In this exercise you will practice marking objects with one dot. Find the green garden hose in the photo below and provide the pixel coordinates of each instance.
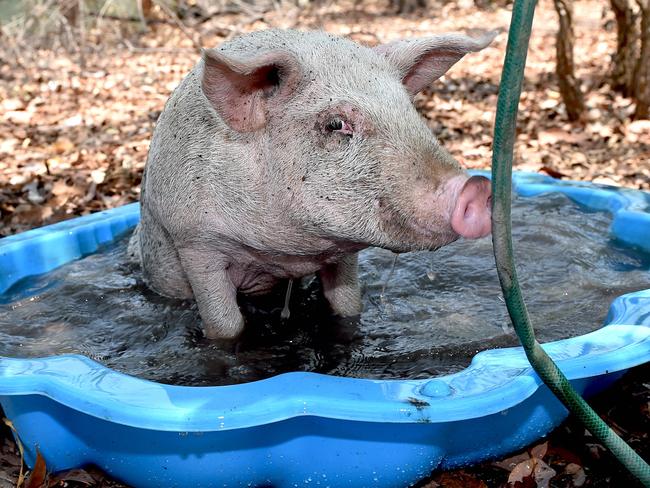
(504, 137)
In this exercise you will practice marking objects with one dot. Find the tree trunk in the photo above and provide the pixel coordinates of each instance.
(624, 60)
(144, 11)
(70, 10)
(82, 34)
(569, 86)
(642, 71)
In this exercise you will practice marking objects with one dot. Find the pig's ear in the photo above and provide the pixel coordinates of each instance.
(422, 61)
(244, 91)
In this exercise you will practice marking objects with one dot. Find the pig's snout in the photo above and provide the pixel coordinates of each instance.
(471, 217)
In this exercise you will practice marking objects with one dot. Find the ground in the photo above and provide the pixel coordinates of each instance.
(74, 141)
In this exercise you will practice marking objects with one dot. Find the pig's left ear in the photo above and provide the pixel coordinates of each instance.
(422, 61)
(246, 91)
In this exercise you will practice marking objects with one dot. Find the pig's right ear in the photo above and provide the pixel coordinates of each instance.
(422, 61)
(244, 91)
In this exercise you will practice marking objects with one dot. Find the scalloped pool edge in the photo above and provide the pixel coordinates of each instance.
(494, 406)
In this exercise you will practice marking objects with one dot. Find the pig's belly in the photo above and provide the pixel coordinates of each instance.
(257, 285)
(260, 277)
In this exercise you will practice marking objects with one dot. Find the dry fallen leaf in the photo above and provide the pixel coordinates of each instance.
(640, 127)
(12, 104)
(62, 146)
(577, 473)
(543, 474)
(552, 172)
(77, 475)
(510, 463)
(36, 478)
(533, 468)
(21, 117)
(522, 470)
(540, 472)
(539, 451)
(459, 480)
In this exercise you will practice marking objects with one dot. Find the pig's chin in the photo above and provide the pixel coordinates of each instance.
(412, 236)
(421, 242)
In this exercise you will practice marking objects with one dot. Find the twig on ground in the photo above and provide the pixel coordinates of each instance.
(135, 49)
(21, 475)
(198, 45)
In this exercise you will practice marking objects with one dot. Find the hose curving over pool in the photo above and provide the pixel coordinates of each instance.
(504, 136)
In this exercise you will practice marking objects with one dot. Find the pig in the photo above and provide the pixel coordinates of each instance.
(283, 154)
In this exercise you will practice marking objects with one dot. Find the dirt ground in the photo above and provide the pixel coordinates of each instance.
(74, 141)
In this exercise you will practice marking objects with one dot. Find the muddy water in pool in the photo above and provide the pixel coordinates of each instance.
(426, 316)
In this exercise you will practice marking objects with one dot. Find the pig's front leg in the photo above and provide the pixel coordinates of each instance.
(215, 294)
(341, 286)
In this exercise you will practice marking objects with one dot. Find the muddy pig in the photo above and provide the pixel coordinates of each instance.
(283, 154)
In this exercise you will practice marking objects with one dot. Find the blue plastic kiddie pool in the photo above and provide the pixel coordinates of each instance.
(304, 429)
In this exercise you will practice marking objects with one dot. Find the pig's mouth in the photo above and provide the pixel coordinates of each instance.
(401, 232)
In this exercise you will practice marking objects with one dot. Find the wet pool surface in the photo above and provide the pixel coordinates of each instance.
(425, 314)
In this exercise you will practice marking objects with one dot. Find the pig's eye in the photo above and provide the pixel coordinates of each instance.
(337, 124)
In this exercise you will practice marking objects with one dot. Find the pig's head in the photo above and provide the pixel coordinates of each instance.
(342, 152)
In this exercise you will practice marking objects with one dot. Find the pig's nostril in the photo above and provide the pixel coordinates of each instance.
(471, 218)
